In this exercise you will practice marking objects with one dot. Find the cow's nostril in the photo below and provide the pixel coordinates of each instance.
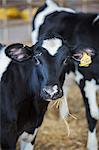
(59, 94)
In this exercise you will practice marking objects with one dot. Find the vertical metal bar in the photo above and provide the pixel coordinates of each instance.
(84, 5)
(61, 2)
(30, 18)
(4, 3)
(5, 29)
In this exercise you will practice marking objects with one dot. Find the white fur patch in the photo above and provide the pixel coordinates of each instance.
(96, 19)
(52, 45)
(39, 20)
(63, 109)
(90, 91)
(26, 146)
(26, 139)
(50, 2)
(92, 141)
(4, 62)
(78, 77)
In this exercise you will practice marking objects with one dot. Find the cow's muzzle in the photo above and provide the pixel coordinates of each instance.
(52, 92)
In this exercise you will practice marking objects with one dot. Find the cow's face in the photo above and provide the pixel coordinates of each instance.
(51, 58)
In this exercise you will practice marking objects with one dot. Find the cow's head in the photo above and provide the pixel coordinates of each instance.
(86, 39)
(50, 56)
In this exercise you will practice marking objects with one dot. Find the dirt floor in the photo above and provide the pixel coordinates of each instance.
(53, 132)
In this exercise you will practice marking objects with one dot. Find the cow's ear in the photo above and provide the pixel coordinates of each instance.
(84, 57)
(19, 52)
(78, 54)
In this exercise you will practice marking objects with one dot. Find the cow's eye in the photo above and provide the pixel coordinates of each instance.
(37, 61)
(36, 58)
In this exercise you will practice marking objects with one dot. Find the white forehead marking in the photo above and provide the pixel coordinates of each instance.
(52, 45)
(96, 19)
(4, 62)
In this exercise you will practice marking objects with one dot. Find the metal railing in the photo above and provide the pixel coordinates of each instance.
(18, 30)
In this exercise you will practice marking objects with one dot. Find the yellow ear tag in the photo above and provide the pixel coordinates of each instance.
(85, 60)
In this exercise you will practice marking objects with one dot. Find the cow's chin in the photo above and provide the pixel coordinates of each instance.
(48, 100)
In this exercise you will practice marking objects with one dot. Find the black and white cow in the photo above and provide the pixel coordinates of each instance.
(47, 20)
(30, 77)
(87, 40)
(81, 31)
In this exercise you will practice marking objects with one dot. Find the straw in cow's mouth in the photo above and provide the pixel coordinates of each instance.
(57, 104)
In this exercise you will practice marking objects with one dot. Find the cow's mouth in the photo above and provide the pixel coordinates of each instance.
(54, 97)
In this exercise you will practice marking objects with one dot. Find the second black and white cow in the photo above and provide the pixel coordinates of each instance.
(86, 39)
(81, 31)
(30, 77)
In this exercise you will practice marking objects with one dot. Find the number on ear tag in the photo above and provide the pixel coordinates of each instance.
(85, 60)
